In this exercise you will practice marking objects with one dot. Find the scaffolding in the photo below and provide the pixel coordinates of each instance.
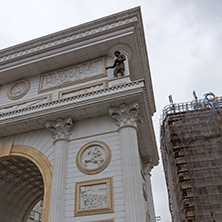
(191, 145)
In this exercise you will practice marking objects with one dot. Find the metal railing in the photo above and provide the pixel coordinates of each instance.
(190, 106)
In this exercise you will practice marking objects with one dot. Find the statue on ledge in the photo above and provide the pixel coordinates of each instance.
(118, 64)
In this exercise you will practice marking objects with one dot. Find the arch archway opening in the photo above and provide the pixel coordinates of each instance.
(21, 185)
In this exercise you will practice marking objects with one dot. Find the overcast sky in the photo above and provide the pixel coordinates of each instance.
(184, 41)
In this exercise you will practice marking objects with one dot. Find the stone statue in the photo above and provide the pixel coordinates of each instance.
(118, 64)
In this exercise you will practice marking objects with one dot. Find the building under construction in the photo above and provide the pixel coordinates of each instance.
(191, 145)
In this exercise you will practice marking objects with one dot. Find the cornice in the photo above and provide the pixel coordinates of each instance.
(66, 40)
(75, 101)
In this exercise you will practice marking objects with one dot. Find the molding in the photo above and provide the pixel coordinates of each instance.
(6, 149)
(108, 208)
(68, 39)
(72, 75)
(77, 90)
(107, 94)
(21, 92)
(101, 166)
(47, 97)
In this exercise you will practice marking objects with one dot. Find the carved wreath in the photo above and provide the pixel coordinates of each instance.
(18, 89)
(93, 157)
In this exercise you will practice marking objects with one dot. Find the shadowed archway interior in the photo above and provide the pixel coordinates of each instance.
(21, 184)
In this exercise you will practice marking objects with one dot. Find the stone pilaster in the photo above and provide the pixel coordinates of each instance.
(128, 117)
(147, 167)
(61, 131)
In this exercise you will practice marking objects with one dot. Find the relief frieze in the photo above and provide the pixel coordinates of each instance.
(94, 197)
(73, 75)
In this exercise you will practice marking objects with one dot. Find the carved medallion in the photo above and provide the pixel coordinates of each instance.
(93, 157)
(94, 197)
(18, 89)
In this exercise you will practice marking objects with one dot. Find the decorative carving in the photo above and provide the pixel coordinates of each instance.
(18, 89)
(60, 128)
(93, 157)
(76, 74)
(118, 64)
(126, 114)
(87, 96)
(94, 197)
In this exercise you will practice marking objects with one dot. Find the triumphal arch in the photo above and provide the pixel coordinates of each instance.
(75, 124)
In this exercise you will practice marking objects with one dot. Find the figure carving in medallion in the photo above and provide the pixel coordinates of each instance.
(94, 155)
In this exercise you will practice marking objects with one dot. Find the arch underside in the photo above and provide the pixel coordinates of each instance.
(20, 185)
(25, 178)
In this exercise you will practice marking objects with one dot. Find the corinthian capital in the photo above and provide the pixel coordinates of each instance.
(126, 115)
(60, 128)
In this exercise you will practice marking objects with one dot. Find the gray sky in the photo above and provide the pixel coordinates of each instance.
(184, 41)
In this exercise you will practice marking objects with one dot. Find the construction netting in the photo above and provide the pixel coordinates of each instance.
(191, 145)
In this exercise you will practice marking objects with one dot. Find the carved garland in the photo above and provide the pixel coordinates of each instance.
(93, 157)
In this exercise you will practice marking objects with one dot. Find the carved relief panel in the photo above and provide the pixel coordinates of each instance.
(18, 89)
(72, 75)
(93, 157)
(94, 197)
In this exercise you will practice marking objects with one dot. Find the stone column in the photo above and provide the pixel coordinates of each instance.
(147, 169)
(61, 131)
(128, 118)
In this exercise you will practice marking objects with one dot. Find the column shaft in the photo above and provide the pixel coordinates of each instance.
(56, 212)
(132, 184)
(61, 130)
(150, 198)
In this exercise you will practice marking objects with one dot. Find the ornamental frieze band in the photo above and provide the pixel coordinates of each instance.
(73, 75)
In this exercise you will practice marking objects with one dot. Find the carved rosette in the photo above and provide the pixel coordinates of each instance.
(93, 157)
(60, 128)
(126, 115)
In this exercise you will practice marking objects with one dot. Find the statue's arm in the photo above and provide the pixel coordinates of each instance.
(111, 67)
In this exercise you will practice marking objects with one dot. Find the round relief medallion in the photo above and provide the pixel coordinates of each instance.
(93, 157)
(18, 89)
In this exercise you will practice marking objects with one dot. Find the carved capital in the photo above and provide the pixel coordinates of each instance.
(60, 128)
(126, 115)
(147, 166)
